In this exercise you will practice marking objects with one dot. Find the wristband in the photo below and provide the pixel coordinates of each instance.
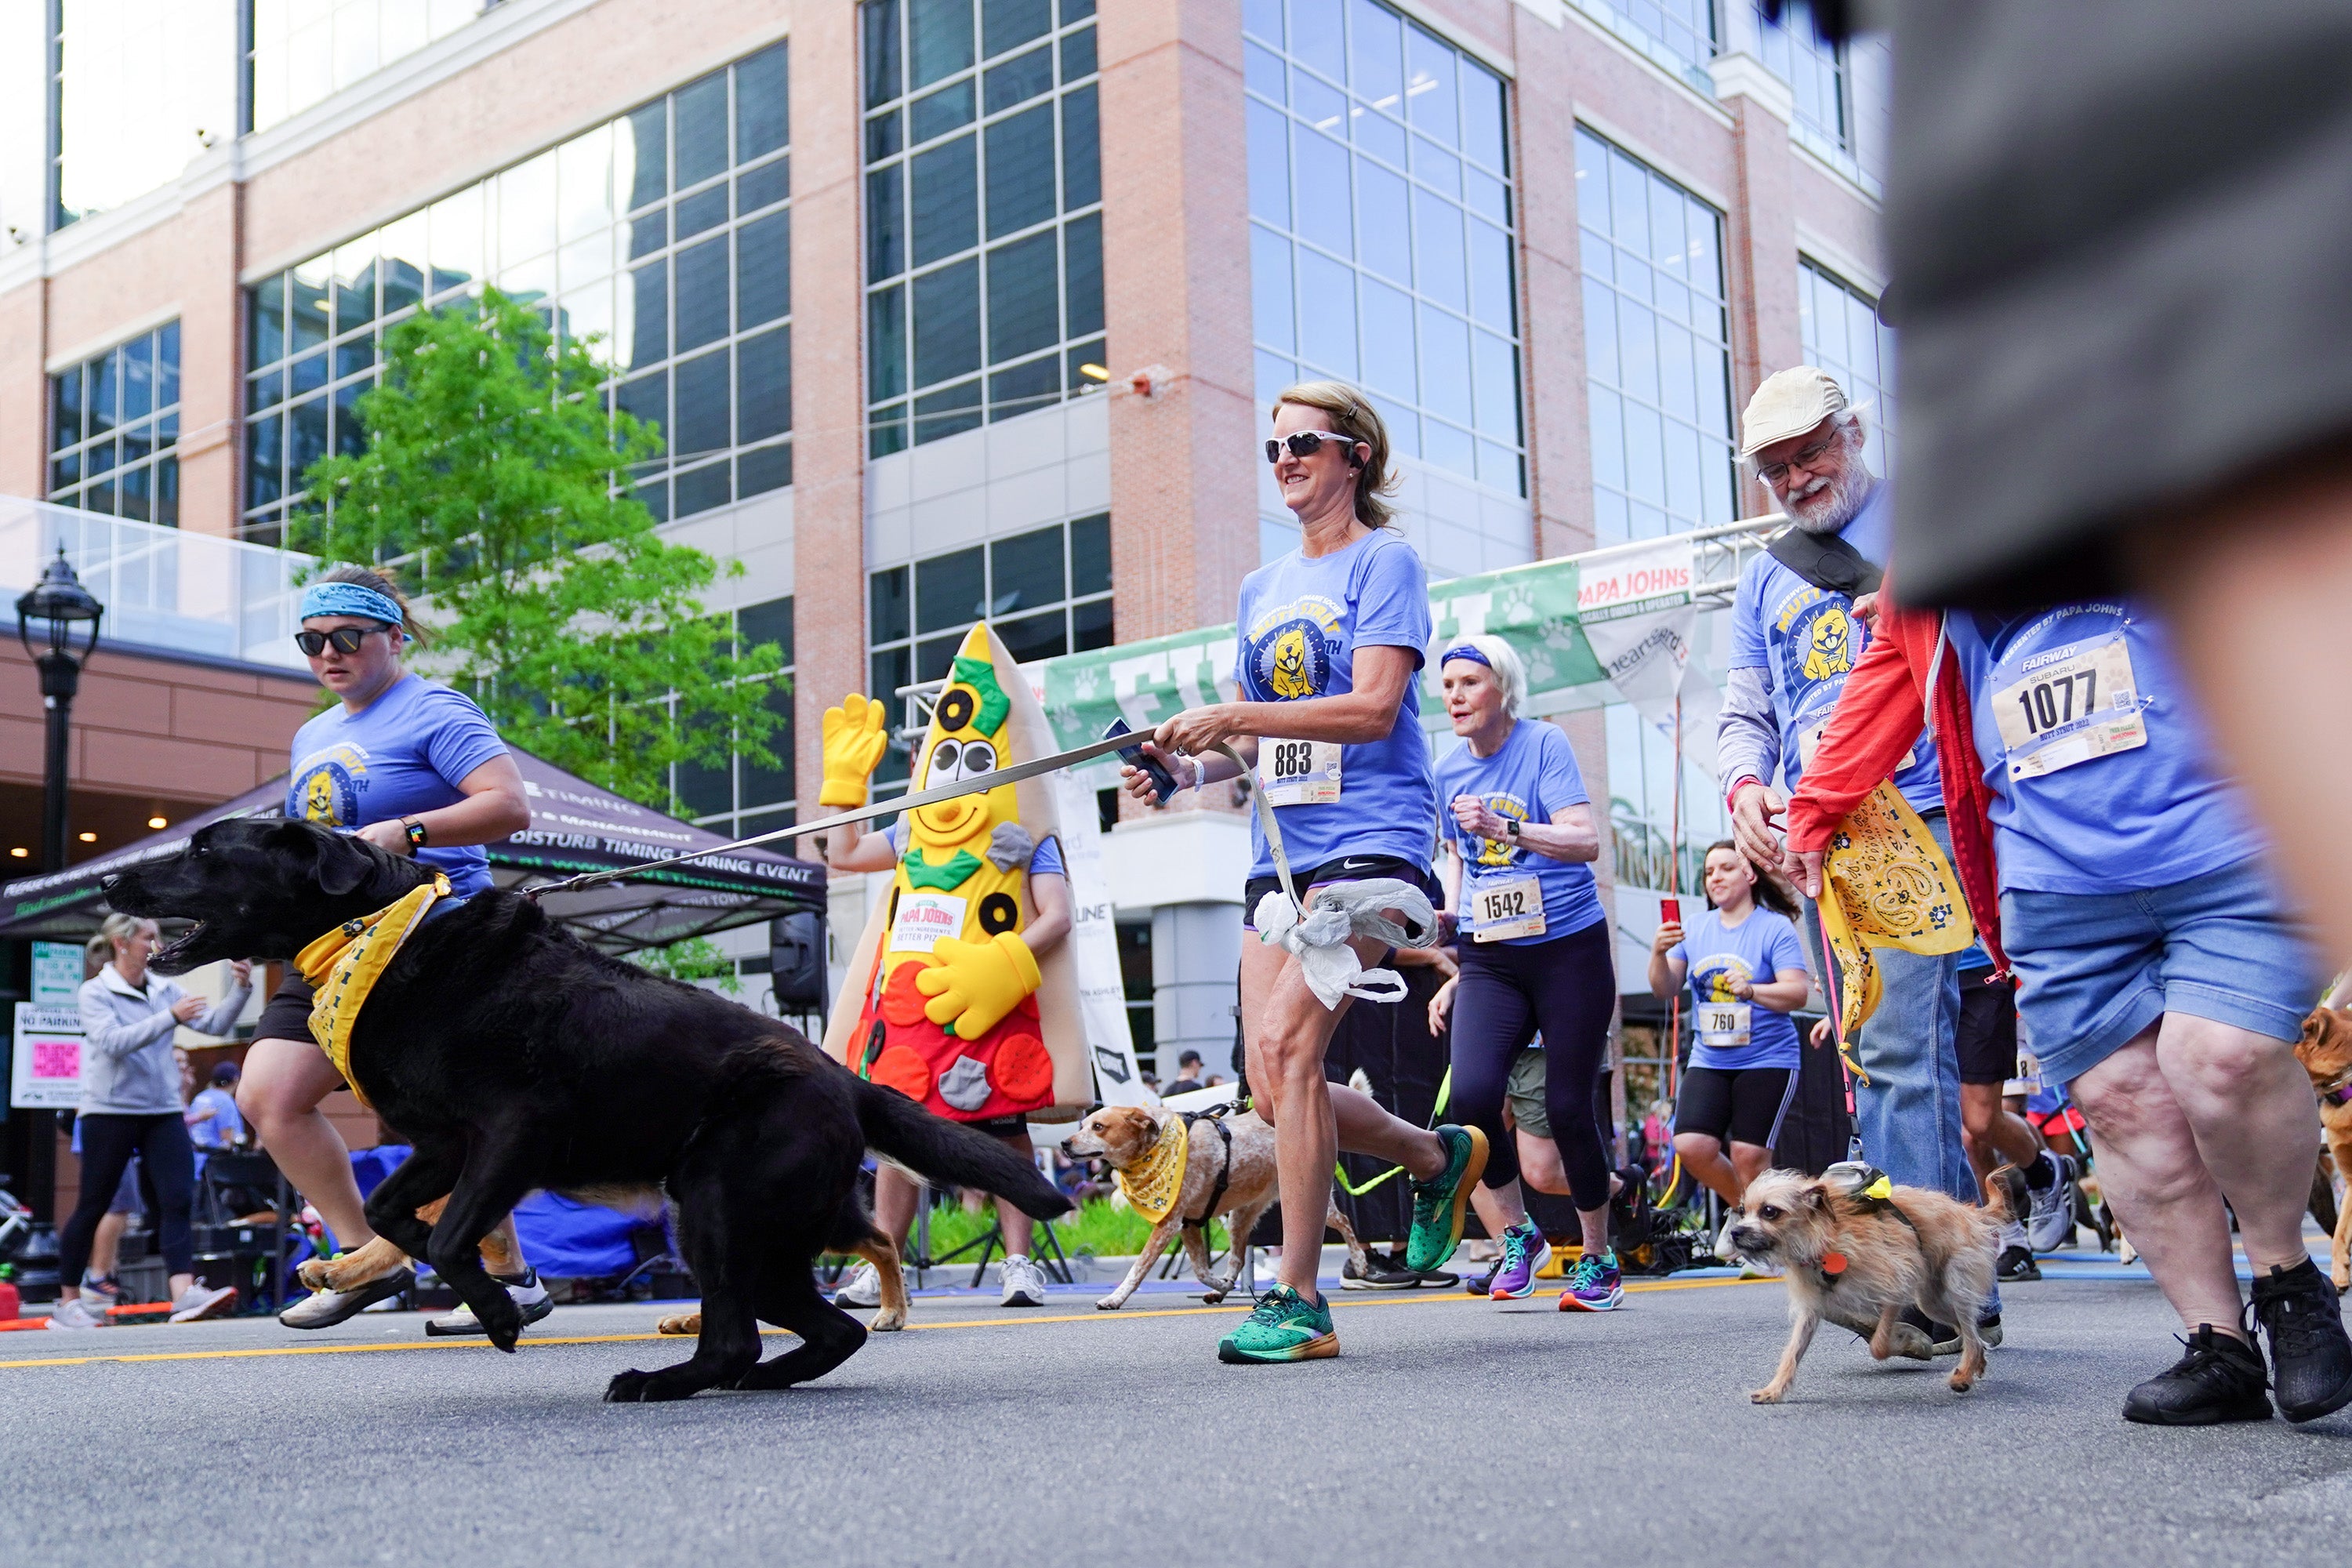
(415, 831)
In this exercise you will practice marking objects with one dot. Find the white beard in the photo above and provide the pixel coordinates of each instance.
(1843, 499)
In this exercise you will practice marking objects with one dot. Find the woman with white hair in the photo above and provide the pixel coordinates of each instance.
(1537, 957)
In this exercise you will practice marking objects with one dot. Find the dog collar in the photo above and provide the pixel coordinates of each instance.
(1833, 1267)
(1153, 1186)
(343, 966)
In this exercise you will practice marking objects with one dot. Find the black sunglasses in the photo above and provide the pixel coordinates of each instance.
(1307, 443)
(347, 639)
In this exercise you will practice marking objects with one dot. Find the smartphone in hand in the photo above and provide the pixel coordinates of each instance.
(1136, 757)
(1670, 912)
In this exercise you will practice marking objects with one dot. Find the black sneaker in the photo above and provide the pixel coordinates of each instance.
(1482, 1284)
(2219, 1379)
(1384, 1274)
(1945, 1340)
(2016, 1264)
(2311, 1358)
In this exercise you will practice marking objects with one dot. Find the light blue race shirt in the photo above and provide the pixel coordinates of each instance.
(1755, 950)
(2102, 776)
(1807, 641)
(1532, 778)
(404, 753)
(1300, 624)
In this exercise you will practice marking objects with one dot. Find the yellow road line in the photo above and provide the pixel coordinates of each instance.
(1402, 1299)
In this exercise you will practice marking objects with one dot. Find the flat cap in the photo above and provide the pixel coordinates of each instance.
(1789, 403)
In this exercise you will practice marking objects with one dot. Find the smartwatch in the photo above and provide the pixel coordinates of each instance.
(415, 831)
(1511, 826)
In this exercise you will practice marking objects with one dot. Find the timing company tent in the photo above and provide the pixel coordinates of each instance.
(575, 827)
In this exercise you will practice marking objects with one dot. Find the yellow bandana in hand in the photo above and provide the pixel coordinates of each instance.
(1885, 883)
(343, 966)
(1154, 1188)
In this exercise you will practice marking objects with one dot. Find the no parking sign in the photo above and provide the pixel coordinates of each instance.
(45, 1069)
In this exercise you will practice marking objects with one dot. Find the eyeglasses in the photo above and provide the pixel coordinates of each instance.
(1773, 473)
(347, 639)
(1307, 443)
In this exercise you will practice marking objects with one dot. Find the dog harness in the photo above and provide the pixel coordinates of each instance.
(1876, 1196)
(1215, 1117)
(343, 966)
(1153, 1186)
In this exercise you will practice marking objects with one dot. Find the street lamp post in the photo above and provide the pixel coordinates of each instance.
(65, 616)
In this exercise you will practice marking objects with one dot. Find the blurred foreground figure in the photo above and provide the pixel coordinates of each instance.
(2117, 232)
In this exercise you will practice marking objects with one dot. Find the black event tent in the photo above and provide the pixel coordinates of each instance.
(575, 827)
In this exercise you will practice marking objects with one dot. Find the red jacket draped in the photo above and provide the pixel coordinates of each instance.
(1878, 717)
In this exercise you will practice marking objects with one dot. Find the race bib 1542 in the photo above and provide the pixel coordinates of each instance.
(1506, 907)
(2071, 711)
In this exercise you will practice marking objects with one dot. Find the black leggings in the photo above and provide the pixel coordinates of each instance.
(169, 1161)
(1567, 987)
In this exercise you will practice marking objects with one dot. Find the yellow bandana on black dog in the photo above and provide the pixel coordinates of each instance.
(343, 966)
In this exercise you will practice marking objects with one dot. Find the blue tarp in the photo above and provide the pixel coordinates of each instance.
(561, 1238)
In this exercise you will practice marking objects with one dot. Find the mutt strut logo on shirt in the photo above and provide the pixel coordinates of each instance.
(1820, 639)
(1502, 851)
(326, 786)
(1291, 648)
(1716, 973)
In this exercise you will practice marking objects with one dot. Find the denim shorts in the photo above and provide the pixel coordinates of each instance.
(2096, 969)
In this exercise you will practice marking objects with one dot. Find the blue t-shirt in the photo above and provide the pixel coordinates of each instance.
(1755, 950)
(2045, 688)
(1807, 641)
(223, 1127)
(1532, 777)
(403, 753)
(1300, 624)
(1045, 861)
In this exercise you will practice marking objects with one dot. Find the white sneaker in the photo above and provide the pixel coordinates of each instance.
(862, 1288)
(1024, 1282)
(202, 1301)
(529, 1294)
(76, 1314)
(2052, 1221)
(325, 1308)
(1723, 1248)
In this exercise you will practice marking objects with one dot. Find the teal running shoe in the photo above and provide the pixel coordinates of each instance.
(1525, 1253)
(1438, 1204)
(1595, 1285)
(1283, 1326)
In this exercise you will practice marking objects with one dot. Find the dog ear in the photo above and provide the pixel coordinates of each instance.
(344, 865)
(1817, 1196)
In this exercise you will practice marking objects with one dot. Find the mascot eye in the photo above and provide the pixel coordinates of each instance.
(978, 757)
(945, 756)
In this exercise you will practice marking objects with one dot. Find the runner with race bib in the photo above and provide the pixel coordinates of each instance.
(1535, 954)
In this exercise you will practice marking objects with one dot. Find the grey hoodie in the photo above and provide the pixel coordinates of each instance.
(126, 1067)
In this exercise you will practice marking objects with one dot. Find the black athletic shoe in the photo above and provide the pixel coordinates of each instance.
(2311, 1358)
(1945, 1340)
(2219, 1379)
(2016, 1264)
(1482, 1284)
(1383, 1275)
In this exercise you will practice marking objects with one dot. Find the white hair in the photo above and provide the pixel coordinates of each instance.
(1504, 660)
(120, 927)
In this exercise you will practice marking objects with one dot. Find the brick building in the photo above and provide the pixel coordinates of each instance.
(946, 306)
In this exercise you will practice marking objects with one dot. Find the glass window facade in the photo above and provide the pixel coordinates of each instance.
(1815, 71)
(665, 233)
(983, 213)
(1657, 348)
(1382, 248)
(114, 430)
(1678, 33)
(305, 50)
(1844, 335)
(1047, 593)
(1643, 809)
(743, 798)
(140, 87)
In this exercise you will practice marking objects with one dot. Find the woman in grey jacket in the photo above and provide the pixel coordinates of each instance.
(131, 1104)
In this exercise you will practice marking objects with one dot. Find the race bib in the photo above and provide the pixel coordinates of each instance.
(1300, 773)
(2071, 711)
(1722, 1022)
(1809, 740)
(923, 918)
(1506, 907)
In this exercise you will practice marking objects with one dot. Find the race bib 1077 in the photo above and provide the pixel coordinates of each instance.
(2071, 711)
(1300, 773)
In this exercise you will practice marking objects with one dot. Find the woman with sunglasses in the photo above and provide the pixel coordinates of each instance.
(410, 767)
(1330, 645)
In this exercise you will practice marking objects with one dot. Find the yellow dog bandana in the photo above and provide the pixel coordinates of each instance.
(1885, 883)
(343, 966)
(1154, 1188)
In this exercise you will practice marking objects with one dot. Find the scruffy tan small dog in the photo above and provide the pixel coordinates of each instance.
(1856, 1257)
(2325, 1052)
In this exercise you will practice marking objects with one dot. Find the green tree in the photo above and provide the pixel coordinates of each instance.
(494, 481)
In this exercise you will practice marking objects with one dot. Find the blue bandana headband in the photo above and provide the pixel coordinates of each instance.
(1464, 650)
(350, 599)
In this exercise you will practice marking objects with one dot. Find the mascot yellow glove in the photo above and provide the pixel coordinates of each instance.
(855, 738)
(974, 984)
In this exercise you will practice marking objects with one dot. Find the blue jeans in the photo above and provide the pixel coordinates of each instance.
(1908, 1114)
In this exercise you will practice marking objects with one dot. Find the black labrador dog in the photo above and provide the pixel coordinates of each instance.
(513, 1055)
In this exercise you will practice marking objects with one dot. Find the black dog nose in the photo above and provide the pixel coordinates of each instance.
(106, 884)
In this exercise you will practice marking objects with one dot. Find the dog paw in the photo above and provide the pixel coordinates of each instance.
(1109, 1304)
(313, 1275)
(1961, 1383)
(1213, 1297)
(887, 1321)
(502, 1320)
(627, 1387)
(680, 1323)
(1762, 1396)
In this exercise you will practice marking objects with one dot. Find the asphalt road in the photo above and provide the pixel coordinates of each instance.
(1449, 1431)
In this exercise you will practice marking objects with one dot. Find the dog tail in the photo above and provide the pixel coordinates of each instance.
(2006, 1195)
(948, 1152)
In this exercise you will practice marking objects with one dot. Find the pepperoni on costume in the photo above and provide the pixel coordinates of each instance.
(1022, 1070)
(904, 1070)
(902, 1005)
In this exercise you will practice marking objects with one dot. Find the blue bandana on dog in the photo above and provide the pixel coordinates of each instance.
(1464, 650)
(350, 599)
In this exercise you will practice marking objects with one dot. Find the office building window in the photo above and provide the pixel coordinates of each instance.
(1678, 34)
(1657, 348)
(1843, 334)
(742, 798)
(1381, 233)
(305, 50)
(1814, 69)
(983, 220)
(665, 233)
(114, 430)
(1047, 593)
(139, 89)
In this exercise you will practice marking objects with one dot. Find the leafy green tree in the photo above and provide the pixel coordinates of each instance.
(695, 958)
(494, 481)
